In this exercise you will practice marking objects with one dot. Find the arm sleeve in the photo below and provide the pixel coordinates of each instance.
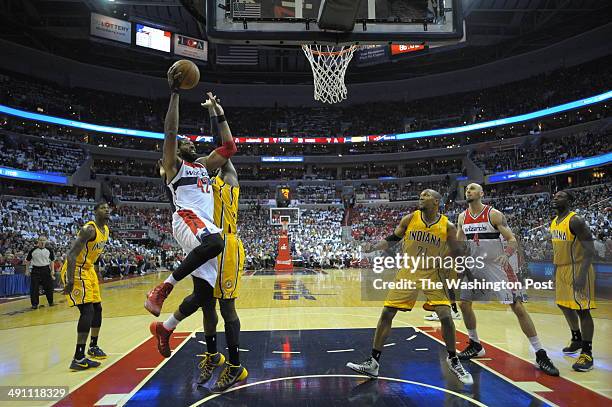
(51, 255)
(29, 258)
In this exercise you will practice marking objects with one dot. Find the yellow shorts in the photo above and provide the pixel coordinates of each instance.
(451, 275)
(230, 265)
(565, 294)
(404, 299)
(86, 287)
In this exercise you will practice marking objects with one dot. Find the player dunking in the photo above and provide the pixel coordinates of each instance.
(187, 178)
(573, 253)
(482, 225)
(229, 266)
(425, 232)
(79, 275)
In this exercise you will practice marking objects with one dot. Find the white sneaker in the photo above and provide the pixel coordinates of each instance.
(369, 367)
(432, 317)
(456, 368)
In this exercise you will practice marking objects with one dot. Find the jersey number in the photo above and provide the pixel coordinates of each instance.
(202, 183)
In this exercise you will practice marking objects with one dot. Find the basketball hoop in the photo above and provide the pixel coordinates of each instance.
(329, 65)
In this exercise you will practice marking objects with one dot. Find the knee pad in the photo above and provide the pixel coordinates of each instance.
(86, 317)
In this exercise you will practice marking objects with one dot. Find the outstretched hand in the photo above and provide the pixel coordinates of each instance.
(213, 103)
(174, 78)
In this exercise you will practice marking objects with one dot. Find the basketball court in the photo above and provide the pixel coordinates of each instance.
(299, 331)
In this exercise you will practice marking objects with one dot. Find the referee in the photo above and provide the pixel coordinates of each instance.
(40, 258)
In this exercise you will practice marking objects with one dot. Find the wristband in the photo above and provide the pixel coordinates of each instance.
(218, 119)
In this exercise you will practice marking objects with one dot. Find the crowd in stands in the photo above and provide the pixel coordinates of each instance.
(135, 168)
(540, 153)
(382, 118)
(32, 154)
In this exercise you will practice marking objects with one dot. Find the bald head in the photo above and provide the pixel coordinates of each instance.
(473, 192)
(429, 200)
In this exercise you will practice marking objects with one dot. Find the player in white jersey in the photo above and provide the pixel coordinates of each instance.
(483, 227)
(187, 178)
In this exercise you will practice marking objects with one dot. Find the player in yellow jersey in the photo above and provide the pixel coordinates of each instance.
(79, 274)
(426, 234)
(573, 253)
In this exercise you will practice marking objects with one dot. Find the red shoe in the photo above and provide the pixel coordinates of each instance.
(156, 297)
(162, 335)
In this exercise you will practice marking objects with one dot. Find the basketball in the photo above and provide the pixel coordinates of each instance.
(190, 71)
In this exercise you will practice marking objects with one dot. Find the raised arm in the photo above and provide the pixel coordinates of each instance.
(392, 239)
(86, 234)
(221, 154)
(580, 228)
(228, 174)
(171, 123)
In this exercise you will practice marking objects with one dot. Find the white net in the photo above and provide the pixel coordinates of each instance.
(329, 65)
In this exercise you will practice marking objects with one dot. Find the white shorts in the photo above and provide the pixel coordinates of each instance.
(493, 272)
(188, 229)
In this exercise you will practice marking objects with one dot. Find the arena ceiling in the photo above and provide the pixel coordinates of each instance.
(495, 29)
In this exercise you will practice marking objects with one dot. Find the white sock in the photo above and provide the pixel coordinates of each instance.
(171, 280)
(535, 343)
(171, 323)
(473, 335)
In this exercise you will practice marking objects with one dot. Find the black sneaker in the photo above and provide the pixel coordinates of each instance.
(96, 353)
(584, 363)
(207, 366)
(230, 376)
(573, 347)
(473, 350)
(83, 364)
(545, 364)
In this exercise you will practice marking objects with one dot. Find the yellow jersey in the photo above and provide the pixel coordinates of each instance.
(566, 248)
(88, 256)
(226, 205)
(426, 240)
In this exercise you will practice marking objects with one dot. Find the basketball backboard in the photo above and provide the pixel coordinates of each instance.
(294, 22)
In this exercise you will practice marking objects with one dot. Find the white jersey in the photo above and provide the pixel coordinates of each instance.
(483, 238)
(192, 194)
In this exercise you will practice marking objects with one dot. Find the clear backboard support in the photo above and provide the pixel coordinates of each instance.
(294, 22)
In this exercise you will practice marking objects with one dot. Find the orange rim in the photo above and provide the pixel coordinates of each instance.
(332, 53)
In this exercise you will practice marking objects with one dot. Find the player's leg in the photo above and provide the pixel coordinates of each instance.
(474, 348)
(200, 246)
(212, 357)
(444, 312)
(571, 316)
(96, 323)
(233, 372)
(528, 328)
(80, 362)
(585, 360)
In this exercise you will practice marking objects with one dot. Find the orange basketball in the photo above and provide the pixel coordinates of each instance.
(191, 73)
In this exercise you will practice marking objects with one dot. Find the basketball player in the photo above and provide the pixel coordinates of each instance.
(425, 232)
(573, 252)
(79, 275)
(482, 225)
(187, 178)
(228, 266)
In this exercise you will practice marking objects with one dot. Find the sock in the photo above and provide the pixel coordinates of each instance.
(473, 336)
(211, 343)
(587, 347)
(576, 336)
(171, 323)
(535, 343)
(454, 307)
(171, 280)
(94, 341)
(234, 355)
(79, 353)
(376, 354)
(451, 354)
